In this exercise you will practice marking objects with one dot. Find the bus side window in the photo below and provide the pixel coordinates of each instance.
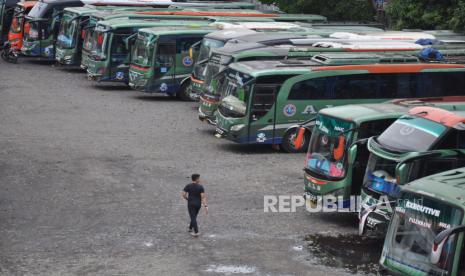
(398, 85)
(263, 100)
(373, 128)
(442, 84)
(166, 52)
(119, 46)
(422, 168)
(184, 43)
(363, 86)
(309, 89)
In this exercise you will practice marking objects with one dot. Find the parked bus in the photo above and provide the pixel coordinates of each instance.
(42, 25)
(219, 39)
(415, 145)
(239, 5)
(337, 154)
(77, 20)
(221, 57)
(161, 60)
(425, 236)
(6, 16)
(264, 98)
(211, 16)
(15, 36)
(110, 55)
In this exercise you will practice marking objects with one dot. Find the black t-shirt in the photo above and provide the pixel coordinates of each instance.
(194, 190)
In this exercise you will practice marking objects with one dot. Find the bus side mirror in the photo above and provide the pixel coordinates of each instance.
(194, 49)
(440, 240)
(401, 173)
(352, 153)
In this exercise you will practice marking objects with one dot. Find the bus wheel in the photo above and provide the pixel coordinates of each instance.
(184, 92)
(288, 144)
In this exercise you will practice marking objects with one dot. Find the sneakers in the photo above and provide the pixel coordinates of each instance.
(195, 234)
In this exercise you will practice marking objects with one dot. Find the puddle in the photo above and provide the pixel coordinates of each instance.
(231, 269)
(350, 252)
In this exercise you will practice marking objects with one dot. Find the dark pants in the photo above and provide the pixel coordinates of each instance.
(193, 212)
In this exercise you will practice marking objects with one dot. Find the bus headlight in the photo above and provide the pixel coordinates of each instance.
(237, 127)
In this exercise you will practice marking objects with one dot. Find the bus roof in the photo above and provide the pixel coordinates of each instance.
(233, 13)
(360, 113)
(185, 29)
(447, 186)
(286, 17)
(118, 23)
(453, 119)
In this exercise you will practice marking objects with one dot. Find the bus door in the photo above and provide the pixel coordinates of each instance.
(165, 65)
(184, 61)
(119, 57)
(263, 114)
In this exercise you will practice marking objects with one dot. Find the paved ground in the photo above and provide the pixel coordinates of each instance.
(90, 180)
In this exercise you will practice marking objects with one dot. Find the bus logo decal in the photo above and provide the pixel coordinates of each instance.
(261, 137)
(290, 110)
(309, 109)
(163, 87)
(187, 61)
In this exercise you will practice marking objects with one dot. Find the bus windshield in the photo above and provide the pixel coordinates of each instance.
(236, 90)
(205, 48)
(411, 134)
(39, 10)
(214, 67)
(142, 53)
(67, 33)
(416, 221)
(327, 153)
(98, 44)
(380, 176)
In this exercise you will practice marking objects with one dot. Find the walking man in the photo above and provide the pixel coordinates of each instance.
(194, 193)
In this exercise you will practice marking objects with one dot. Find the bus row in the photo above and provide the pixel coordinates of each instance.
(406, 159)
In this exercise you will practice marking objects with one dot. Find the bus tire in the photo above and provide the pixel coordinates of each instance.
(288, 141)
(184, 92)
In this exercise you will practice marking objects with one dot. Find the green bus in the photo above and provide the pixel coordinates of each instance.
(109, 15)
(161, 59)
(217, 40)
(210, 97)
(74, 23)
(337, 154)
(425, 236)
(419, 144)
(109, 59)
(43, 23)
(264, 98)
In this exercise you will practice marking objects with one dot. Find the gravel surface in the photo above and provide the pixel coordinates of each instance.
(90, 180)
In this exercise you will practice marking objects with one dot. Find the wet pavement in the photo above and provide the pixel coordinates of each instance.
(90, 180)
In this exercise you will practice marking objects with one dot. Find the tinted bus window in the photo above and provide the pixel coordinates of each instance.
(356, 87)
(398, 85)
(437, 84)
(380, 86)
(309, 89)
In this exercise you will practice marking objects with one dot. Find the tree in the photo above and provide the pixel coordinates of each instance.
(427, 14)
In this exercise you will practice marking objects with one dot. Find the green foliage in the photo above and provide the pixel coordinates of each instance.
(350, 10)
(427, 14)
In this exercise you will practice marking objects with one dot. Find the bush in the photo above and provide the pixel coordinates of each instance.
(349, 10)
(427, 14)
